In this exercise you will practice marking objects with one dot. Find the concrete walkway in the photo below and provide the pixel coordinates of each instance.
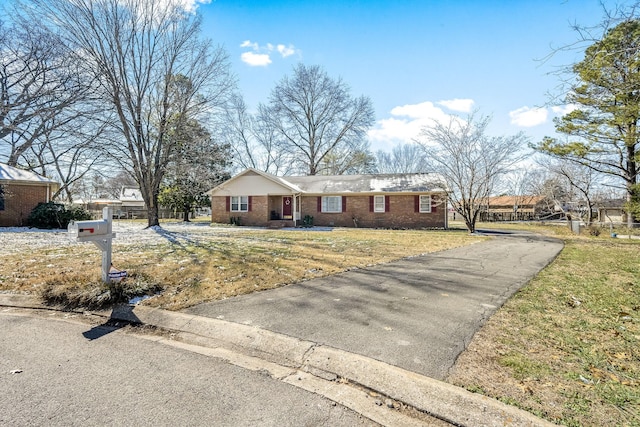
(417, 313)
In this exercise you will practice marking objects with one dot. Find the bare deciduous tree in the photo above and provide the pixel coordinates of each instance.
(404, 158)
(135, 50)
(251, 139)
(470, 161)
(38, 85)
(352, 160)
(67, 152)
(581, 183)
(314, 115)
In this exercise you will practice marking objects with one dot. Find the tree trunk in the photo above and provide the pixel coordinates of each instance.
(13, 159)
(185, 215)
(152, 210)
(632, 196)
(153, 217)
(630, 200)
(470, 226)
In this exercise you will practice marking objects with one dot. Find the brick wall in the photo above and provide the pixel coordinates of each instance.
(401, 213)
(19, 201)
(258, 214)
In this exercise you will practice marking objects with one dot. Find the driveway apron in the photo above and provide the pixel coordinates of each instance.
(417, 313)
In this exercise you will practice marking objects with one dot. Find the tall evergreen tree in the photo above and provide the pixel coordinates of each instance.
(602, 131)
(198, 165)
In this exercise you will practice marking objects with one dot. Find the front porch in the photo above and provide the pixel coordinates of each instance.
(284, 211)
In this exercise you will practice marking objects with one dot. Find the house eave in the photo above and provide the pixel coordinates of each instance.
(280, 181)
(53, 185)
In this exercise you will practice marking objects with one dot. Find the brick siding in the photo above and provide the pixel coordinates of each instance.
(257, 216)
(401, 213)
(19, 201)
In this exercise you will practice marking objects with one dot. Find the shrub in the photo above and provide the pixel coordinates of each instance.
(55, 215)
(307, 221)
(595, 230)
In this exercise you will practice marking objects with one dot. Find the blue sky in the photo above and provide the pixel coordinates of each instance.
(415, 59)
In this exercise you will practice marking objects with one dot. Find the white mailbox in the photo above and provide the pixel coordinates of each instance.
(85, 230)
(98, 232)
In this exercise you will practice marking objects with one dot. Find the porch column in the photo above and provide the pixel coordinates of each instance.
(294, 208)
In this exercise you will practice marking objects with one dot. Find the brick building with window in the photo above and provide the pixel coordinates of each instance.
(376, 201)
(20, 192)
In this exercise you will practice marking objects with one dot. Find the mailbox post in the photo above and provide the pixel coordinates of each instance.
(100, 233)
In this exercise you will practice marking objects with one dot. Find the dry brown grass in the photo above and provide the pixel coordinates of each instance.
(218, 266)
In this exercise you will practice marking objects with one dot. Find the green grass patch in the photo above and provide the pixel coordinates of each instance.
(567, 345)
(523, 366)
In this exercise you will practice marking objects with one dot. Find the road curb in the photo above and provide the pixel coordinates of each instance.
(251, 340)
(439, 399)
(436, 398)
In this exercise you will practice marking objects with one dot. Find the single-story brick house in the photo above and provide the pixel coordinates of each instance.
(387, 201)
(20, 192)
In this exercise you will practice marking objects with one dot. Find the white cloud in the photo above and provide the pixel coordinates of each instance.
(460, 105)
(286, 50)
(255, 59)
(192, 5)
(405, 124)
(395, 130)
(564, 109)
(158, 7)
(424, 110)
(528, 117)
(247, 43)
(260, 56)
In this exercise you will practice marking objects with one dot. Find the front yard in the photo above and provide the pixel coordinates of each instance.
(185, 264)
(566, 347)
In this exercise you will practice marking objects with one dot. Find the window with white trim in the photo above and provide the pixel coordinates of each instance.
(239, 203)
(332, 204)
(378, 204)
(425, 204)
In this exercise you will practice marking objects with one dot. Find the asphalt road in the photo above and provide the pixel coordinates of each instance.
(56, 372)
(418, 313)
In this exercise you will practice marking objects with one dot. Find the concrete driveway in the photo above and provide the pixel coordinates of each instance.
(417, 313)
